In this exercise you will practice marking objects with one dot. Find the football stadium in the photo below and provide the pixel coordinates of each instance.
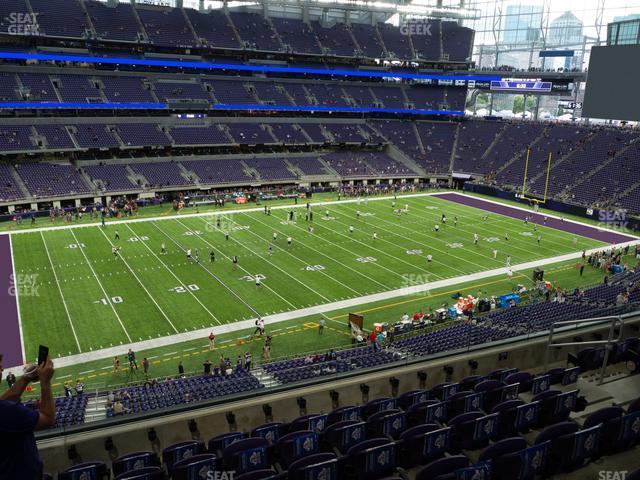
(319, 240)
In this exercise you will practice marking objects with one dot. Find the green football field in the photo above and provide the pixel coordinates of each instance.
(93, 299)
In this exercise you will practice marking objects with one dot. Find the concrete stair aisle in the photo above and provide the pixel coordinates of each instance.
(454, 147)
(265, 378)
(20, 183)
(96, 409)
(519, 154)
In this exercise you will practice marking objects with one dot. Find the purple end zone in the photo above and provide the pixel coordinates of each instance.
(10, 341)
(595, 233)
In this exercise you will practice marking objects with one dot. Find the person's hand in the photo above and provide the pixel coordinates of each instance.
(45, 371)
(30, 373)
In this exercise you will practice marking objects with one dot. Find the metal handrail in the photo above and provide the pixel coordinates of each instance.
(615, 321)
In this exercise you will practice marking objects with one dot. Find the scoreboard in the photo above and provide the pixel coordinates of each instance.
(521, 86)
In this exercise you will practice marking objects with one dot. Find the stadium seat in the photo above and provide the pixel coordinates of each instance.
(386, 423)
(146, 473)
(97, 470)
(246, 455)
(342, 414)
(180, 451)
(441, 467)
(422, 444)
(134, 461)
(295, 445)
(370, 460)
(198, 466)
(318, 466)
(343, 435)
(218, 443)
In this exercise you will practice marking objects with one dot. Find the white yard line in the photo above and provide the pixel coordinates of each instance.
(296, 258)
(240, 266)
(16, 288)
(104, 292)
(64, 302)
(342, 265)
(141, 284)
(211, 274)
(182, 284)
(303, 205)
(317, 310)
(448, 226)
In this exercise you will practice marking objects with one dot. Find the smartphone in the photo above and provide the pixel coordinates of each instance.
(43, 353)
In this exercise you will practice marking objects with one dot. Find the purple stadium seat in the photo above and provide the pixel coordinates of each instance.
(218, 443)
(318, 466)
(344, 434)
(246, 455)
(261, 475)
(377, 405)
(147, 473)
(96, 470)
(296, 445)
(422, 444)
(389, 422)
(180, 451)
(271, 432)
(344, 413)
(370, 460)
(202, 466)
(407, 399)
(134, 461)
(441, 467)
(314, 422)
(610, 421)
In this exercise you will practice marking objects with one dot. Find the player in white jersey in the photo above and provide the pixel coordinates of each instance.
(275, 236)
(510, 274)
(163, 249)
(506, 237)
(189, 254)
(436, 228)
(475, 239)
(429, 258)
(350, 229)
(495, 253)
(289, 241)
(375, 236)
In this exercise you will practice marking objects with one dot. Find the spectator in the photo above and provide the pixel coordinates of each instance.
(11, 379)
(20, 458)
(247, 361)
(131, 356)
(207, 367)
(145, 365)
(79, 387)
(67, 389)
